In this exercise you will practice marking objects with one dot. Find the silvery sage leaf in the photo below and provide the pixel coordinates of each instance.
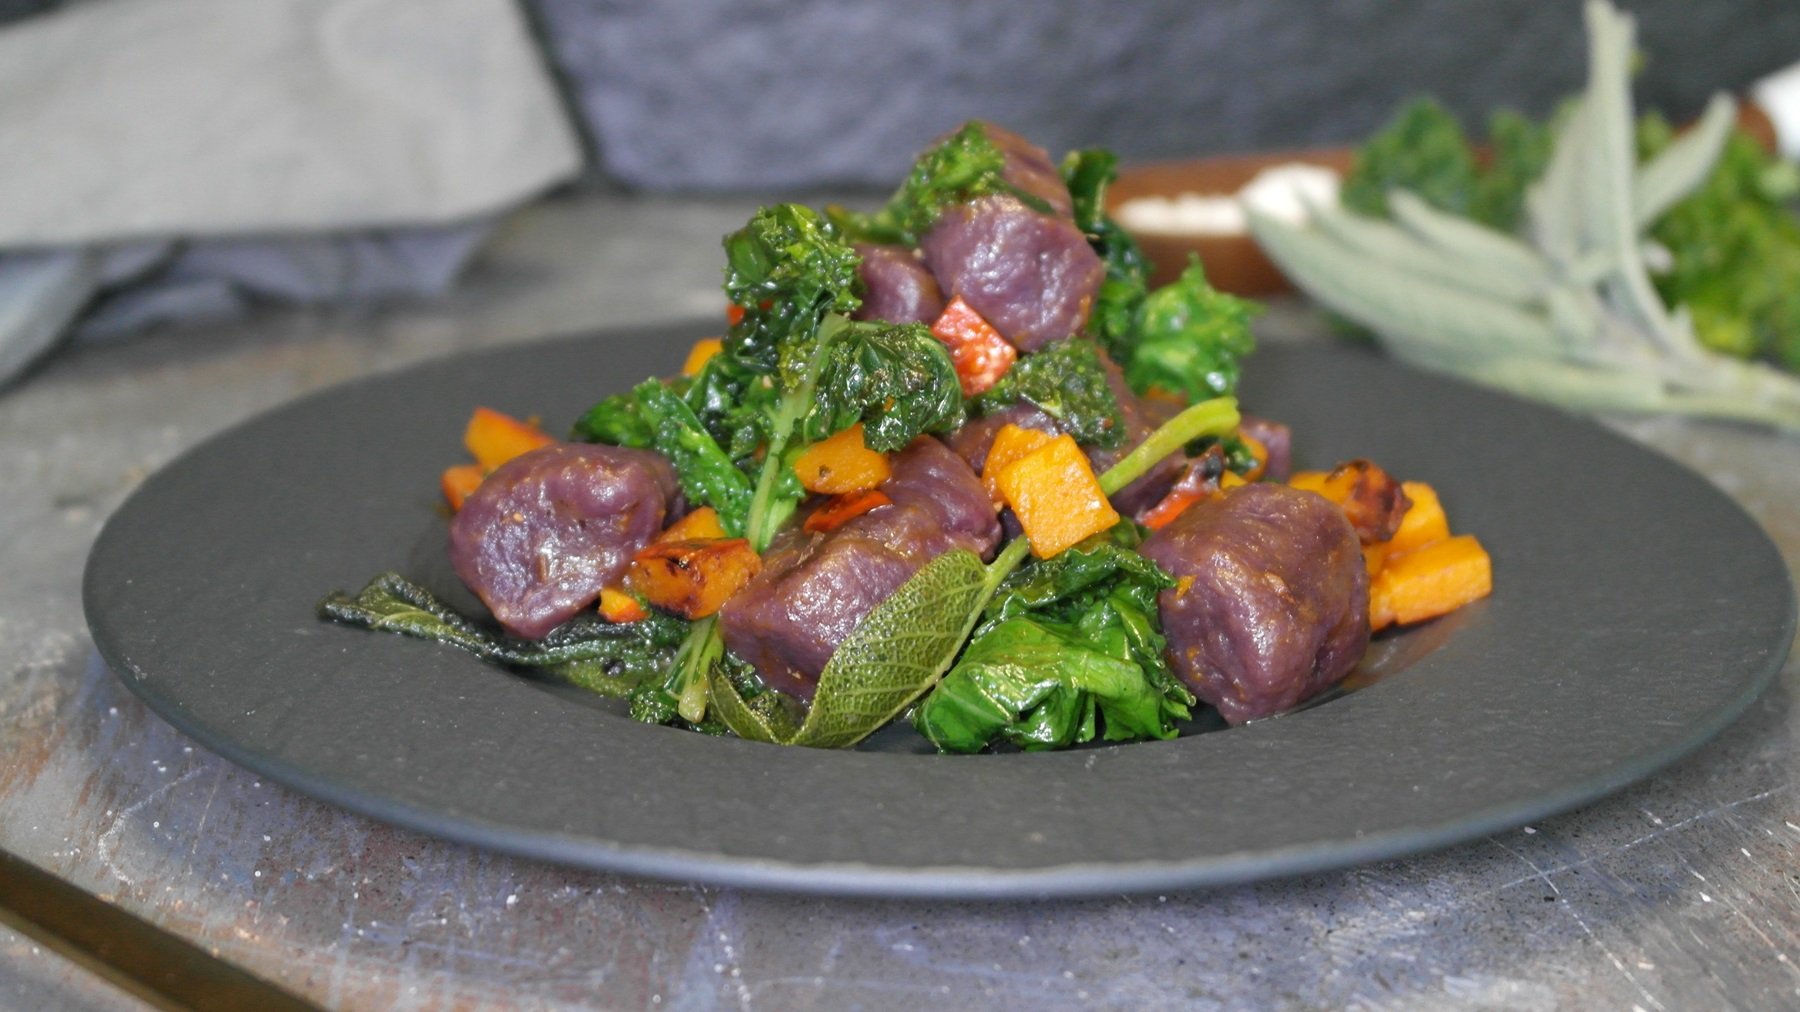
(1684, 164)
(898, 652)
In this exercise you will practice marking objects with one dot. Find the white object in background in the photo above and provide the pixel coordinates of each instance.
(1779, 96)
(1283, 192)
(1184, 214)
(153, 118)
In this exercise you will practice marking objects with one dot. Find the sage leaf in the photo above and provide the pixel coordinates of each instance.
(899, 651)
(1684, 164)
(586, 651)
(766, 717)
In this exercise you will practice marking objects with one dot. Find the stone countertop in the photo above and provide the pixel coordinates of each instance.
(1681, 892)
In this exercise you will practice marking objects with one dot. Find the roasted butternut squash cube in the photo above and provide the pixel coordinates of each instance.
(1424, 521)
(460, 482)
(1430, 581)
(494, 438)
(1053, 492)
(698, 525)
(839, 510)
(841, 463)
(701, 353)
(618, 607)
(1010, 443)
(693, 579)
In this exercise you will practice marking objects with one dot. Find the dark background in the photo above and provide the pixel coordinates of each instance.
(735, 94)
(730, 93)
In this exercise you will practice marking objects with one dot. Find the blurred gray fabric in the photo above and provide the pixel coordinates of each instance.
(725, 94)
(152, 118)
(158, 283)
(322, 150)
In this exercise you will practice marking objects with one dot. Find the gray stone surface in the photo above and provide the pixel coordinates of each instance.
(1682, 892)
(718, 94)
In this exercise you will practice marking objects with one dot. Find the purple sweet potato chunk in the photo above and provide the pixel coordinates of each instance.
(1273, 603)
(1277, 439)
(814, 589)
(550, 528)
(896, 286)
(1029, 169)
(1033, 276)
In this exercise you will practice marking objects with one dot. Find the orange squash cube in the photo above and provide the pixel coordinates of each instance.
(1430, 581)
(701, 353)
(838, 510)
(698, 525)
(1372, 500)
(1053, 492)
(1424, 522)
(460, 482)
(618, 607)
(841, 463)
(1257, 450)
(1010, 443)
(494, 438)
(693, 579)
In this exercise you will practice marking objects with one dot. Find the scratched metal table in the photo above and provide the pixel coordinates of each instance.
(1682, 892)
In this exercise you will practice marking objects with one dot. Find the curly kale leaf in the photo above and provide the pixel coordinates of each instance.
(1064, 640)
(1520, 153)
(1422, 150)
(962, 167)
(1114, 317)
(898, 381)
(786, 269)
(1067, 380)
(1192, 338)
(735, 400)
(586, 651)
(1736, 250)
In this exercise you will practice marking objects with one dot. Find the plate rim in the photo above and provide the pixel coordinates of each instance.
(846, 878)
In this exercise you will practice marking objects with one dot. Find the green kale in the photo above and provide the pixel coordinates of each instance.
(1735, 246)
(619, 420)
(587, 651)
(793, 369)
(1520, 151)
(785, 269)
(1422, 150)
(1027, 684)
(1192, 338)
(962, 167)
(897, 380)
(1063, 640)
(1068, 382)
(735, 400)
(1114, 316)
(657, 699)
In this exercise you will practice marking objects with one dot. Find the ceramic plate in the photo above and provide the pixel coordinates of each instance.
(1637, 612)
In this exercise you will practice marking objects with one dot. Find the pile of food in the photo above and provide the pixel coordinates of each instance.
(951, 461)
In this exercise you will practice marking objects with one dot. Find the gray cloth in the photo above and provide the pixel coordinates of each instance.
(719, 94)
(158, 118)
(322, 150)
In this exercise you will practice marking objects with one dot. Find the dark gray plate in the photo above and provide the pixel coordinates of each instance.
(1638, 611)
